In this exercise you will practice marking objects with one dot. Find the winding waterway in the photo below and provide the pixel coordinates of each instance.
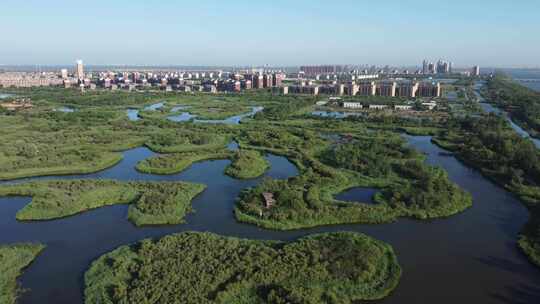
(489, 108)
(471, 257)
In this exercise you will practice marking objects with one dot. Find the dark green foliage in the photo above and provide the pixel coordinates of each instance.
(246, 164)
(206, 268)
(178, 162)
(13, 259)
(181, 140)
(284, 110)
(522, 103)
(88, 98)
(369, 156)
(366, 161)
(152, 203)
(491, 145)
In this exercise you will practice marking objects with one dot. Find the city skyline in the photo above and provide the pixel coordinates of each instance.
(241, 33)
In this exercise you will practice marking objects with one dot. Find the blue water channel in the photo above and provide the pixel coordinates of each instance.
(469, 258)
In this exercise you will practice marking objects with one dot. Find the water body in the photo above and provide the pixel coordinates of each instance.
(527, 77)
(2, 95)
(155, 106)
(469, 258)
(489, 108)
(133, 114)
(233, 120)
(184, 116)
(358, 195)
(65, 109)
(338, 115)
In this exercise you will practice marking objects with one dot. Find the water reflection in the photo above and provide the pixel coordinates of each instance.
(470, 257)
(133, 114)
(358, 195)
(184, 116)
(234, 120)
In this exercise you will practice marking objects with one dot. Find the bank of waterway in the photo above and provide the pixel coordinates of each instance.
(489, 108)
(470, 257)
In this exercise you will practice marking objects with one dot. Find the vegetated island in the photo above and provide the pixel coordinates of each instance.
(409, 188)
(196, 268)
(152, 203)
(13, 259)
(245, 164)
(489, 144)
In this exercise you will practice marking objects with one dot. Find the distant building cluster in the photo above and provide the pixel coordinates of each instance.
(27, 80)
(429, 105)
(336, 80)
(322, 69)
(441, 67)
(389, 88)
(446, 67)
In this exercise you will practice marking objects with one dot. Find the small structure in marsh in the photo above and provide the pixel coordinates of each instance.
(269, 200)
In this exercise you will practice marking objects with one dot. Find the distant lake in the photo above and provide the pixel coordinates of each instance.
(524, 76)
(2, 95)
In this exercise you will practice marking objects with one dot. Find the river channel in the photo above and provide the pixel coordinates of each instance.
(487, 107)
(470, 258)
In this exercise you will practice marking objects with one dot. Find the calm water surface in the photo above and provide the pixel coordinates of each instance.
(468, 258)
(2, 95)
(233, 120)
(492, 109)
(358, 195)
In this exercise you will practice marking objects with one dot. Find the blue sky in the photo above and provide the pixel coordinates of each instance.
(276, 32)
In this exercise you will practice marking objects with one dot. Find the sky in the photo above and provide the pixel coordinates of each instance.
(491, 33)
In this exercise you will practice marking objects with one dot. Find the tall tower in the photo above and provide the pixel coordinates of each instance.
(476, 70)
(425, 68)
(79, 70)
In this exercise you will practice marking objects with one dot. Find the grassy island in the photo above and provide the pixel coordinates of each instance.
(13, 260)
(247, 164)
(206, 268)
(409, 187)
(178, 162)
(151, 203)
(177, 141)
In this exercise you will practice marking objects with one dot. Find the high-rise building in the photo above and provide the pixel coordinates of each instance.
(407, 89)
(64, 73)
(367, 88)
(425, 67)
(352, 89)
(322, 69)
(267, 80)
(340, 89)
(258, 81)
(79, 69)
(429, 89)
(278, 79)
(387, 88)
(476, 71)
(443, 67)
(432, 68)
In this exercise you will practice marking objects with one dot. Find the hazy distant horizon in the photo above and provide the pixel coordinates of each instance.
(279, 33)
